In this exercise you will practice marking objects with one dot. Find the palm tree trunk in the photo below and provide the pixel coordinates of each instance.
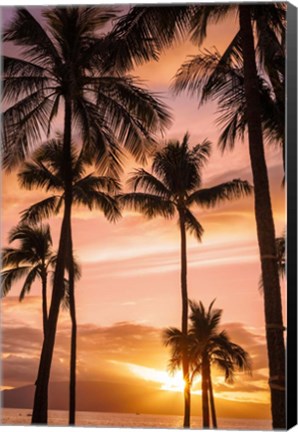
(212, 403)
(44, 298)
(265, 226)
(205, 403)
(185, 362)
(73, 350)
(40, 406)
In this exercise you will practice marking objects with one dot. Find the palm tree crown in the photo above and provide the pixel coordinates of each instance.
(45, 170)
(207, 339)
(31, 260)
(175, 184)
(64, 61)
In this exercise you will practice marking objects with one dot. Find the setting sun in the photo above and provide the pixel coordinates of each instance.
(170, 382)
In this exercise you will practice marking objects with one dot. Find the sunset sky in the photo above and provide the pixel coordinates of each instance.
(130, 286)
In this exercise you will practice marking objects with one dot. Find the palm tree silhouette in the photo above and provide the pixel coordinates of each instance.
(206, 346)
(213, 347)
(174, 186)
(46, 170)
(62, 71)
(210, 75)
(32, 260)
(162, 26)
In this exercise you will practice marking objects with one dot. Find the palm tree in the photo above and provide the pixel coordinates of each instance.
(213, 347)
(62, 71)
(174, 186)
(46, 170)
(269, 21)
(263, 215)
(206, 346)
(31, 260)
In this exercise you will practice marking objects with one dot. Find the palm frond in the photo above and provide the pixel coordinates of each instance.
(203, 15)
(135, 114)
(9, 277)
(150, 205)
(100, 144)
(11, 257)
(14, 67)
(193, 225)
(27, 32)
(50, 152)
(96, 199)
(77, 269)
(149, 183)
(41, 210)
(30, 278)
(65, 298)
(23, 124)
(222, 346)
(201, 153)
(210, 197)
(104, 183)
(194, 73)
(140, 35)
(172, 336)
(36, 175)
(226, 366)
(22, 86)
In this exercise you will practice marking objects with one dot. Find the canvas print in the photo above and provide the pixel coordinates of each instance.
(143, 215)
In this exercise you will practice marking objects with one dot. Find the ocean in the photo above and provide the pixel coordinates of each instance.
(15, 416)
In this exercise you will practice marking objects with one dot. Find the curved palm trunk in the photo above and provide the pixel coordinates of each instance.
(40, 406)
(205, 387)
(185, 362)
(44, 299)
(73, 350)
(265, 226)
(212, 403)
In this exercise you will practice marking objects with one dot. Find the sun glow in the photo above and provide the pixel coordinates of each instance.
(170, 382)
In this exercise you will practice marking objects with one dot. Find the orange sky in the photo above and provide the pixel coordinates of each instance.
(129, 289)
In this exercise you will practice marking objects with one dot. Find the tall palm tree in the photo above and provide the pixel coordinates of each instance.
(46, 170)
(263, 207)
(269, 22)
(61, 70)
(173, 187)
(32, 260)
